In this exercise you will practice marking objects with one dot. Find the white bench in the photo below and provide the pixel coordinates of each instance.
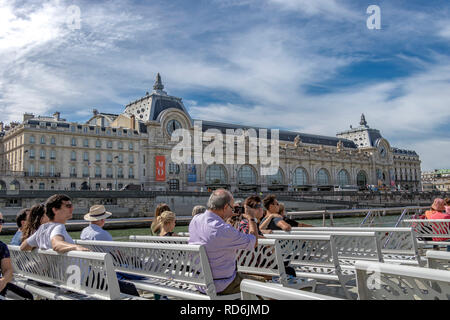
(251, 290)
(74, 275)
(264, 260)
(383, 281)
(430, 228)
(438, 259)
(316, 257)
(350, 246)
(398, 245)
(177, 270)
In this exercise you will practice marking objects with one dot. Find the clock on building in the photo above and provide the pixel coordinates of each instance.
(172, 125)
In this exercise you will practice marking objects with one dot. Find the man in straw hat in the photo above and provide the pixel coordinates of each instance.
(96, 215)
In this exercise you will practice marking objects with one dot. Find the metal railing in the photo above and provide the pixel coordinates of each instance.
(372, 216)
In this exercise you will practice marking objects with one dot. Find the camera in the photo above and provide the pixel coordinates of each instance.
(239, 210)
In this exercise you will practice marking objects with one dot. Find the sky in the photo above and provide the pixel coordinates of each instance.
(308, 66)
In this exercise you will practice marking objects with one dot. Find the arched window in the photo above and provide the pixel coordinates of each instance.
(361, 179)
(343, 178)
(276, 178)
(300, 177)
(323, 177)
(215, 174)
(43, 140)
(246, 175)
(32, 139)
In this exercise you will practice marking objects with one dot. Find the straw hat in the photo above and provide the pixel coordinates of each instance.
(96, 213)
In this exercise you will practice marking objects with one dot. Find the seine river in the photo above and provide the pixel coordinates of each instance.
(386, 221)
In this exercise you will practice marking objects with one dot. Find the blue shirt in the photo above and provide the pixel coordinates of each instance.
(4, 254)
(94, 232)
(221, 242)
(17, 239)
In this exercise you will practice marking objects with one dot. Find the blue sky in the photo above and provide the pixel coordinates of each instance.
(310, 66)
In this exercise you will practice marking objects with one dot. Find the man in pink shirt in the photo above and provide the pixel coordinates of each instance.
(221, 240)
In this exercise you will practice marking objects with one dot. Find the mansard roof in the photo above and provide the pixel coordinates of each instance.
(284, 135)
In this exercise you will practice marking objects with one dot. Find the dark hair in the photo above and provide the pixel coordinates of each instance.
(55, 201)
(21, 216)
(268, 200)
(33, 221)
(252, 201)
(447, 201)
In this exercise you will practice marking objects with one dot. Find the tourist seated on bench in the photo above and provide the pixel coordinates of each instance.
(96, 216)
(254, 202)
(20, 220)
(35, 219)
(221, 240)
(53, 235)
(154, 227)
(198, 210)
(273, 220)
(167, 221)
(438, 214)
(6, 272)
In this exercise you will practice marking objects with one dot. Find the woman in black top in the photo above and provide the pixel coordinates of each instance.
(166, 223)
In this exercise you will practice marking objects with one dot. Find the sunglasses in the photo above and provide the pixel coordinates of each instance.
(68, 205)
(2, 221)
(256, 206)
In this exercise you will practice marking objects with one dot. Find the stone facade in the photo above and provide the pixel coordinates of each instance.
(437, 180)
(111, 151)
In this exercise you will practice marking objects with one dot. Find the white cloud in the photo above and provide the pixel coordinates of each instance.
(262, 62)
(329, 9)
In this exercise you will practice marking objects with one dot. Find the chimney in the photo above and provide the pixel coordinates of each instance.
(95, 112)
(27, 116)
(133, 122)
(56, 115)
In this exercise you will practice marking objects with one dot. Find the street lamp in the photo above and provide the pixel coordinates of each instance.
(117, 172)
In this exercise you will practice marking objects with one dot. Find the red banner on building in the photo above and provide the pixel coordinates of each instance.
(160, 165)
